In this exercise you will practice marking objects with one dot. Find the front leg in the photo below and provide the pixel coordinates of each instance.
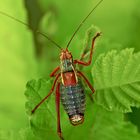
(86, 80)
(88, 83)
(91, 53)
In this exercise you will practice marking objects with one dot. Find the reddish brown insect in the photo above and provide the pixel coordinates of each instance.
(68, 83)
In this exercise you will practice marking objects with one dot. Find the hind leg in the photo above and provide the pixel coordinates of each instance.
(58, 111)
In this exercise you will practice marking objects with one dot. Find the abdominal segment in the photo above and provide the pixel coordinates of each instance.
(73, 100)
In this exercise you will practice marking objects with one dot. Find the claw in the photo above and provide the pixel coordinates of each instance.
(98, 34)
(32, 112)
(60, 136)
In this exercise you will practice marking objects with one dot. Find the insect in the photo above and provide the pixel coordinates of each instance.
(68, 83)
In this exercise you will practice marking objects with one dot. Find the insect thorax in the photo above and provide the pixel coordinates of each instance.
(68, 73)
(67, 65)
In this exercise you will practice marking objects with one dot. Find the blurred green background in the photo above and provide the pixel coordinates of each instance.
(25, 55)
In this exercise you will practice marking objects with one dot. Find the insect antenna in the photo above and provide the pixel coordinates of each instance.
(49, 39)
(77, 29)
(5, 14)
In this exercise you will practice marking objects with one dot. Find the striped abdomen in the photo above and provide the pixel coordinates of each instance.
(73, 100)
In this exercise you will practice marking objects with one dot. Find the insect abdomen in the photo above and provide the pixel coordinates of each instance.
(73, 100)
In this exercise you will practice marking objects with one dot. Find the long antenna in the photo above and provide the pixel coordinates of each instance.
(83, 23)
(5, 14)
(49, 39)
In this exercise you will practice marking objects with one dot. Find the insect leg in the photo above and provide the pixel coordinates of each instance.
(86, 80)
(58, 111)
(48, 94)
(55, 71)
(85, 53)
(91, 53)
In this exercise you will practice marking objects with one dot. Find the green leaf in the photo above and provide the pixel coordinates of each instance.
(117, 80)
(27, 134)
(111, 126)
(43, 121)
(99, 123)
(91, 32)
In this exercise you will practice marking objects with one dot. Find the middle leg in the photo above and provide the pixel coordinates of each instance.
(88, 83)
